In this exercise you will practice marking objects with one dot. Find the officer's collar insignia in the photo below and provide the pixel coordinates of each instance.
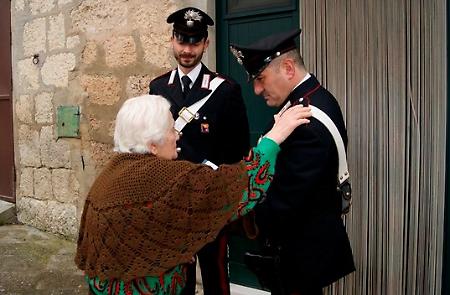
(205, 81)
(190, 16)
(238, 54)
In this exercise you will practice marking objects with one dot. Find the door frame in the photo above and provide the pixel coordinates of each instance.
(6, 109)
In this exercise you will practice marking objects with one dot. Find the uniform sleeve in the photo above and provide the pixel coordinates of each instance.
(260, 165)
(151, 89)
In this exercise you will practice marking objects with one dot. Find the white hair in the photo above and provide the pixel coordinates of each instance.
(141, 120)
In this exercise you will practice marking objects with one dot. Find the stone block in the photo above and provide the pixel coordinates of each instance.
(100, 16)
(29, 146)
(63, 219)
(31, 211)
(63, 2)
(34, 36)
(100, 154)
(102, 90)
(24, 109)
(72, 42)
(148, 17)
(44, 108)
(43, 184)
(138, 85)
(55, 154)
(120, 51)
(101, 131)
(19, 5)
(89, 55)
(26, 185)
(65, 185)
(28, 77)
(157, 50)
(41, 6)
(50, 216)
(56, 68)
(56, 32)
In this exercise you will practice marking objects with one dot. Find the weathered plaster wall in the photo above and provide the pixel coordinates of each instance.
(91, 53)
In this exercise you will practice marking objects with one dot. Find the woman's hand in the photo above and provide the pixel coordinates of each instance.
(287, 121)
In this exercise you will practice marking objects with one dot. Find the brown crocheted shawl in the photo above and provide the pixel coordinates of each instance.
(144, 215)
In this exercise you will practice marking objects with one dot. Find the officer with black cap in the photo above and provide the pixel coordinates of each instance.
(300, 223)
(190, 25)
(209, 111)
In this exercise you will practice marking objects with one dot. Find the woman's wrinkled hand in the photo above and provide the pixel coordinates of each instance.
(287, 121)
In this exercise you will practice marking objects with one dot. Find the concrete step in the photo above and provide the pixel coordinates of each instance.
(7, 213)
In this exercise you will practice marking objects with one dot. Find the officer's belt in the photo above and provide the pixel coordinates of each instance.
(186, 114)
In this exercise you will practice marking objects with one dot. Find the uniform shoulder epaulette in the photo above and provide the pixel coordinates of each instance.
(227, 79)
(163, 75)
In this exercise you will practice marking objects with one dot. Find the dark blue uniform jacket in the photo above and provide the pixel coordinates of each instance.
(302, 211)
(221, 132)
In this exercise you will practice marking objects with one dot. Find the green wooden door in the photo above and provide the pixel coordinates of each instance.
(242, 22)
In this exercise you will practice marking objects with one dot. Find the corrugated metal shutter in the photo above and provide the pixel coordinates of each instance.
(386, 63)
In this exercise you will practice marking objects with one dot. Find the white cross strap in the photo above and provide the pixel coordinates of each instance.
(186, 114)
(317, 113)
(344, 187)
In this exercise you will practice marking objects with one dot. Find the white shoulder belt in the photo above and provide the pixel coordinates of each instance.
(323, 117)
(186, 114)
(343, 174)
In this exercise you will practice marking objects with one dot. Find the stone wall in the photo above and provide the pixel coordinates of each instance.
(87, 53)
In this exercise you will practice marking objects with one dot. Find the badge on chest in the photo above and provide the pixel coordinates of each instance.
(204, 125)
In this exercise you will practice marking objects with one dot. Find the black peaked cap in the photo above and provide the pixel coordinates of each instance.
(190, 24)
(257, 56)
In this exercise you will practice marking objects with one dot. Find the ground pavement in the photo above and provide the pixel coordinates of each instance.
(33, 262)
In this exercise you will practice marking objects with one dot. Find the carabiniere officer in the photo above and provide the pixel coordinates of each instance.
(218, 131)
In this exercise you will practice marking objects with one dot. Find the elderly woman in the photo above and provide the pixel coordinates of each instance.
(147, 215)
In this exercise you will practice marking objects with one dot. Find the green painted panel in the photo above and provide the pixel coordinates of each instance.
(68, 121)
(239, 273)
(243, 29)
(253, 7)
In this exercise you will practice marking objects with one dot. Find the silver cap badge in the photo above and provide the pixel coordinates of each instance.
(190, 16)
(238, 54)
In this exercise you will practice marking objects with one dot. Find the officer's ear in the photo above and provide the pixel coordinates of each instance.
(206, 44)
(288, 67)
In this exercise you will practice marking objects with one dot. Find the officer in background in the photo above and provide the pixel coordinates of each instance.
(305, 244)
(218, 131)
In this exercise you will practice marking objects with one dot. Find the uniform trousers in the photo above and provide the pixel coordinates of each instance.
(213, 259)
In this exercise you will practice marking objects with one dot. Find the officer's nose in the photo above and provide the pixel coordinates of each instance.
(257, 87)
(187, 48)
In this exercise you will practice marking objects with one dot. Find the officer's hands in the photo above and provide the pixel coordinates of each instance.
(287, 121)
